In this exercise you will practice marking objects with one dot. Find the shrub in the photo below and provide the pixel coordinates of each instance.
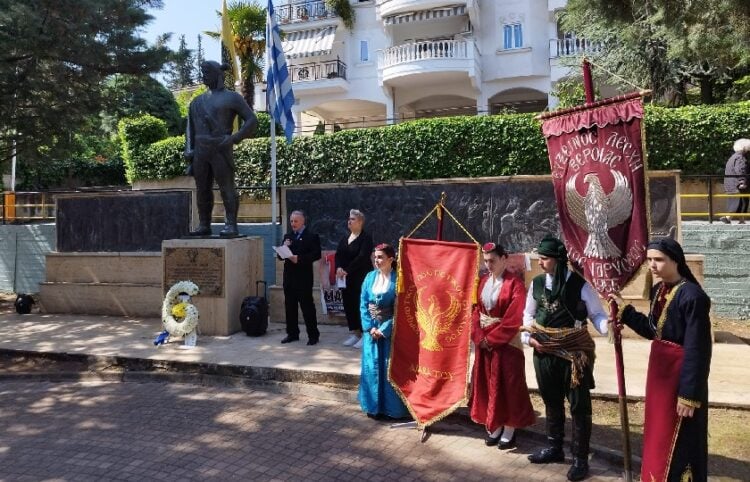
(136, 134)
(695, 139)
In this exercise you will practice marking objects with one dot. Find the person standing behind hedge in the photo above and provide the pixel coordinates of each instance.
(737, 166)
(352, 265)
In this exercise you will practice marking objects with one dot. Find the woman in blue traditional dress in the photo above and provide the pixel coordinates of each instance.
(377, 303)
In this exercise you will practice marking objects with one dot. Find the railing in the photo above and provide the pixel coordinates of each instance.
(318, 70)
(573, 46)
(709, 199)
(303, 12)
(433, 49)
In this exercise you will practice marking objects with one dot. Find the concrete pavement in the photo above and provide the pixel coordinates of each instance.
(327, 363)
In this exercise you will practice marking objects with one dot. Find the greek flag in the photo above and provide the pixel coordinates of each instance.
(279, 95)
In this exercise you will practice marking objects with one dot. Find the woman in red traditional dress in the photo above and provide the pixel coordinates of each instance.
(499, 394)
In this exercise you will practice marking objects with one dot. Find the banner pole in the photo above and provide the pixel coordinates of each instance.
(621, 395)
(440, 213)
(588, 83)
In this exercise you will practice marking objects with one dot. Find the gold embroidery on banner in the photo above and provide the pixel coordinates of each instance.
(672, 446)
(431, 318)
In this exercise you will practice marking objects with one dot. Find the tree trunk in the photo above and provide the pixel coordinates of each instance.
(707, 90)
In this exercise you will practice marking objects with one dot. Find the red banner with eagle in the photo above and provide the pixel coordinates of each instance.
(429, 366)
(598, 171)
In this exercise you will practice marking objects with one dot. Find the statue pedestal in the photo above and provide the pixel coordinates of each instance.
(225, 270)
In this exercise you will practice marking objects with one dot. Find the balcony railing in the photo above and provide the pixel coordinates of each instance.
(318, 70)
(303, 12)
(434, 49)
(573, 46)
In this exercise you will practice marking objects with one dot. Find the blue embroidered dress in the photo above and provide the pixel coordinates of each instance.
(376, 395)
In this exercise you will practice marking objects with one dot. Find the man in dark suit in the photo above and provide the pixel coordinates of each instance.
(298, 279)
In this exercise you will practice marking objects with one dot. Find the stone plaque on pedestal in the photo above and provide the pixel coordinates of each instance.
(202, 266)
(225, 271)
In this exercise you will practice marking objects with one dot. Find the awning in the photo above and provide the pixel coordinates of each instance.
(309, 43)
(422, 15)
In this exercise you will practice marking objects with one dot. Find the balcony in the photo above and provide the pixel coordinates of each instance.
(319, 77)
(303, 12)
(434, 58)
(573, 47)
(385, 8)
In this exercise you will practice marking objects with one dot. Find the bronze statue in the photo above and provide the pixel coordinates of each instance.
(208, 147)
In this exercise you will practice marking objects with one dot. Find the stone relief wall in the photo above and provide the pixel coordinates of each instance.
(516, 212)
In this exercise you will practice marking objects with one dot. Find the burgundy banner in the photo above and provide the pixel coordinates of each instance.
(598, 171)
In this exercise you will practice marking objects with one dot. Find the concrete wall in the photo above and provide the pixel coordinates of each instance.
(727, 265)
(22, 251)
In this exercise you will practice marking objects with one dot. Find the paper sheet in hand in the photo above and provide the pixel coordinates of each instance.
(283, 251)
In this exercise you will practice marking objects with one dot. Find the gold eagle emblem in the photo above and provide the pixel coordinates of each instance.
(598, 212)
(433, 320)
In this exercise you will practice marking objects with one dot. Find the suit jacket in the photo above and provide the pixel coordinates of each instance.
(299, 275)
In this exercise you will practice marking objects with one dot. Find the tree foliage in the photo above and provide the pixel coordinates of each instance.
(180, 69)
(54, 57)
(130, 95)
(667, 45)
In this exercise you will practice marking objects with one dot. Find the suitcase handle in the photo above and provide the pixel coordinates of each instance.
(265, 288)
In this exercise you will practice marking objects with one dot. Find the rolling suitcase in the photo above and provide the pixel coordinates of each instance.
(254, 312)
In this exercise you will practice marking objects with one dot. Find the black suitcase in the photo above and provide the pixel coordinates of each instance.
(254, 312)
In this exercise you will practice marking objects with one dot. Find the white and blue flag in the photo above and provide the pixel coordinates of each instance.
(279, 94)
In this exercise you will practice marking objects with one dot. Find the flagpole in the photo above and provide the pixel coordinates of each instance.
(269, 33)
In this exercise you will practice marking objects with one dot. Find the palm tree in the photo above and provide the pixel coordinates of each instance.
(248, 21)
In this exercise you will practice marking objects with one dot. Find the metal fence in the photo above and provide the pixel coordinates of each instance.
(710, 202)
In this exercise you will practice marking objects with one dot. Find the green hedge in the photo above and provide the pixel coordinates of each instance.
(136, 136)
(696, 139)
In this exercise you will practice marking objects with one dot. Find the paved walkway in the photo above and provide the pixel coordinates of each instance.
(176, 432)
(729, 382)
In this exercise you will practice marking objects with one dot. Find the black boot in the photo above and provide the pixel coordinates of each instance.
(555, 435)
(553, 453)
(580, 447)
(204, 221)
(231, 206)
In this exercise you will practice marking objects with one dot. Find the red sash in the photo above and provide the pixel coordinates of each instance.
(661, 421)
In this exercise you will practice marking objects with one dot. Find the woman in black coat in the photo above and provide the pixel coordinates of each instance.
(352, 265)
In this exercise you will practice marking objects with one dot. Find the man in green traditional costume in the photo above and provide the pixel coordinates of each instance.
(557, 306)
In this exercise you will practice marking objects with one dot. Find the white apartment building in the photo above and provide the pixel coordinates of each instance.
(407, 59)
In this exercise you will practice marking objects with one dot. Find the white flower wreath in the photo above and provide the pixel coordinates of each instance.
(179, 318)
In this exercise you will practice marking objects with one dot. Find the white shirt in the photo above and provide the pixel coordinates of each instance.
(593, 306)
(491, 291)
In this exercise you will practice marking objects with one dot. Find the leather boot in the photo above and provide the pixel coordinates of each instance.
(204, 221)
(230, 219)
(580, 447)
(555, 435)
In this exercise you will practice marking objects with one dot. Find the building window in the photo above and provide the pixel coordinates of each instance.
(512, 36)
(364, 51)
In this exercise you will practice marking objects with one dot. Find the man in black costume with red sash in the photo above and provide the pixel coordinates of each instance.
(557, 306)
(675, 435)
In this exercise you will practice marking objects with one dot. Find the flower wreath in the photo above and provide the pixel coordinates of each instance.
(179, 317)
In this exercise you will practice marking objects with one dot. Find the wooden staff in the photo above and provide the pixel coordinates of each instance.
(616, 328)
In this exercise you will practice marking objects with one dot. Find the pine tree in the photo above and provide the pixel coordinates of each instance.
(199, 59)
(180, 71)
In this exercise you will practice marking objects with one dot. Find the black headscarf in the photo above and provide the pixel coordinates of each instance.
(672, 248)
(552, 247)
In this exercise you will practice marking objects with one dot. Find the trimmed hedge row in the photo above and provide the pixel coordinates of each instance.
(696, 139)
